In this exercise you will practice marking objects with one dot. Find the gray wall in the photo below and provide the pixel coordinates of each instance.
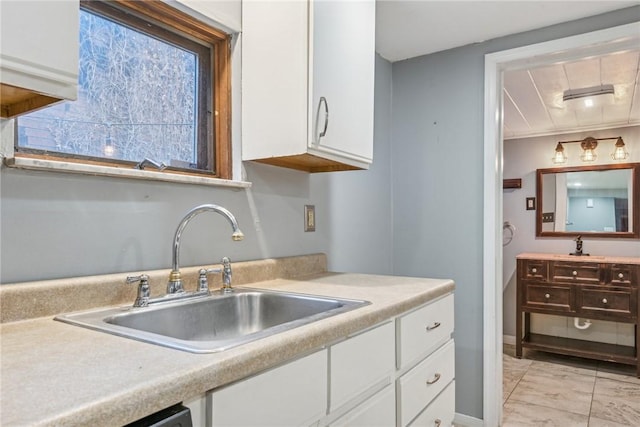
(61, 225)
(437, 142)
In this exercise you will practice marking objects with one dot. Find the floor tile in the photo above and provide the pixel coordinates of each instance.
(598, 422)
(616, 371)
(526, 414)
(555, 386)
(616, 401)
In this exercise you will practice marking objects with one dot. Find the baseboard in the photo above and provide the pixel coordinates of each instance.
(461, 420)
(509, 339)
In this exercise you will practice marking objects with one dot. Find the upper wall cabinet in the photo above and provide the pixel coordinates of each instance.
(308, 84)
(38, 54)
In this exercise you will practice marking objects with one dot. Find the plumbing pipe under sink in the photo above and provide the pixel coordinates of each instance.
(585, 325)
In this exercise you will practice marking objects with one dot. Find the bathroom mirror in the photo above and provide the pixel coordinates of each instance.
(593, 201)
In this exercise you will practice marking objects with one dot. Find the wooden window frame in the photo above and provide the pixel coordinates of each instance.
(215, 160)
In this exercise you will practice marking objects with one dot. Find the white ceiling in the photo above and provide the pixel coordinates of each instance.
(532, 98)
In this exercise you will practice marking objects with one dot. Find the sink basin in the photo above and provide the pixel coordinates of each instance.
(216, 322)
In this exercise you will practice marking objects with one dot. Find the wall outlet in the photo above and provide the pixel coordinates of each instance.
(548, 217)
(309, 218)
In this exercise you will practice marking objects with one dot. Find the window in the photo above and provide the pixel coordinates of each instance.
(153, 83)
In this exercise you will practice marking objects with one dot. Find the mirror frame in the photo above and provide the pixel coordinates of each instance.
(635, 219)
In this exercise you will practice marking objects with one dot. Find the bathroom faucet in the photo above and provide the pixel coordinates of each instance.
(175, 281)
(578, 251)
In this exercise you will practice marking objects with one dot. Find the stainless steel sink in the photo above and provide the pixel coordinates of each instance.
(216, 322)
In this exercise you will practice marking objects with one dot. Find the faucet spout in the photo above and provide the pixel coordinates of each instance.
(175, 281)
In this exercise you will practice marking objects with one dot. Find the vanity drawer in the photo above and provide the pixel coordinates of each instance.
(418, 387)
(533, 269)
(576, 272)
(622, 274)
(608, 304)
(548, 297)
(424, 330)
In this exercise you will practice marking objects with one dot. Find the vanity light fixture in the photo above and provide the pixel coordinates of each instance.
(589, 145)
(589, 96)
(559, 157)
(619, 153)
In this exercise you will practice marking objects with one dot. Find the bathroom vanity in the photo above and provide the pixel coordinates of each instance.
(587, 287)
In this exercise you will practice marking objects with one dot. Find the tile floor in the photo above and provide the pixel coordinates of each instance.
(553, 390)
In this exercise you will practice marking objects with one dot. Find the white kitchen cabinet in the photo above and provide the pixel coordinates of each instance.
(360, 363)
(378, 411)
(308, 84)
(38, 54)
(426, 364)
(294, 394)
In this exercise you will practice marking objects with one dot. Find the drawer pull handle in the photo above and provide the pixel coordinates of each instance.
(620, 276)
(435, 379)
(437, 422)
(547, 296)
(534, 270)
(604, 300)
(574, 272)
(434, 326)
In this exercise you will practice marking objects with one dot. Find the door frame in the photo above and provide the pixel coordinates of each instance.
(559, 50)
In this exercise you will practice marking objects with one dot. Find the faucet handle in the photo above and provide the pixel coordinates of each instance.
(142, 300)
(203, 283)
(226, 275)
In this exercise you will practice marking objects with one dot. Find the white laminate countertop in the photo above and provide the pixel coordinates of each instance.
(583, 258)
(52, 373)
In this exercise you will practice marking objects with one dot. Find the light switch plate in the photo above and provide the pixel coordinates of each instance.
(309, 218)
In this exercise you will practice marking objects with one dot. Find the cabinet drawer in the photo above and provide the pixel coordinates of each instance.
(360, 362)
(440, 412)
(548, 297)
(535, 270)
(608, 304)
(576, 272)
(423, 330)
(378, 411)
(622, 274)
(291, 395)
(423, 383)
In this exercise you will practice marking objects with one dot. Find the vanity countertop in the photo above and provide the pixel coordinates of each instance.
(582, 258)
(53, 373)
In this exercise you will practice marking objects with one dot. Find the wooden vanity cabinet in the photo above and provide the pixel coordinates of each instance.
(598, 288)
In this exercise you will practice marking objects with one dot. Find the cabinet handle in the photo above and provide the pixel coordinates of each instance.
(620, 276)
(604, 300)
(435, 379)
(547, 296)
(432, 327)
(574, 272)
(326, 115)
(534, 270)
(437, 422)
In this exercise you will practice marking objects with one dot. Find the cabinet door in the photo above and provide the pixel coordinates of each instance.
(274, 79)
(343, 55)
(360, 363)
(291, 395)
(378, 411)
(39, 53)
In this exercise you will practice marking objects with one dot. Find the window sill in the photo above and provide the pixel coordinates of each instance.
(99, 170)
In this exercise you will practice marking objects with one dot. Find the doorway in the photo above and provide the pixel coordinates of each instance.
(566, 49)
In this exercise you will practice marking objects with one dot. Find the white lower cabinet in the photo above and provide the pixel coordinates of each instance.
(294, 394)
(424, 382)
(398, 373)
(377, 411)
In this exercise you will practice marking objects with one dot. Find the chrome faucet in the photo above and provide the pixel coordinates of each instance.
(175, 281)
